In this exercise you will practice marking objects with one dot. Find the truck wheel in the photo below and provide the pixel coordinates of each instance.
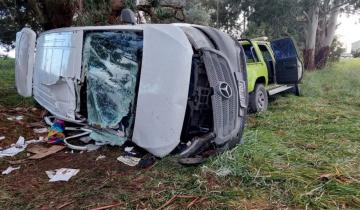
(258, 100)
(296, 90)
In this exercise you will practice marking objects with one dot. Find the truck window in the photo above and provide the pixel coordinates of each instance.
(284, 48)
(265, 52)
(250, 53)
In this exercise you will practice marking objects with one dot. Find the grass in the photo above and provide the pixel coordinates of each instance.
(8, 93)
(303, 153)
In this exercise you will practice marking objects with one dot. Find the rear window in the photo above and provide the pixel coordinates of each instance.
(284, 48)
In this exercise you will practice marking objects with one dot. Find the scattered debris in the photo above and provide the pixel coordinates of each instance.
(92, 147)
(65, 204)
(85, 139)
(326, 176)
(17, 118)
(107, 206)
(88, 147)
(192, 202)
(35, 124)
(129, 149)
(40, 130)
(41, 151)
(33, 141)
(100, 157)
(17, 162)
(192, 161)
(128, 160)
(10, 169)
(62, 174)
(2, 138)
(56, 132)
(223, 172)
(14, 149)
(147, 162)
(175, 197)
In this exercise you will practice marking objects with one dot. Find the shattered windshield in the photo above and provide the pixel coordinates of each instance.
(111, 62)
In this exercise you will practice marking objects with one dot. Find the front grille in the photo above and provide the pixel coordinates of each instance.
(225, 109)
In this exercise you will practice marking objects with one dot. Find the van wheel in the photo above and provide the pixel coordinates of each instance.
(258, 99)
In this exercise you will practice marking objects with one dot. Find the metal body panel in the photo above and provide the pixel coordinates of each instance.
(56, 72)
(24, 65)
(163, 91)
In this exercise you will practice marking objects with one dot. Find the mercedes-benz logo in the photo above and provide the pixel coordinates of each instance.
(225, 90)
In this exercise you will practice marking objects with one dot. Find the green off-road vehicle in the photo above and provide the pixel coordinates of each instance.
(272, 67)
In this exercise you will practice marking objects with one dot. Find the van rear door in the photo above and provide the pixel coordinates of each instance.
(288, 68)
(24, 63)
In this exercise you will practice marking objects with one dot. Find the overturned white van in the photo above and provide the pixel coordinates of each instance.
(154, 85)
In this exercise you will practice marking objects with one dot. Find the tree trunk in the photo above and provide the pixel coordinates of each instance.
(116, 7)
(310, 42)
(53, 14)
(326, 40)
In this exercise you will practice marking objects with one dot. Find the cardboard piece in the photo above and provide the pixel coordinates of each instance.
(41, 152)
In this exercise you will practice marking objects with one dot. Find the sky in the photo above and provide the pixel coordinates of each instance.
(348, 32)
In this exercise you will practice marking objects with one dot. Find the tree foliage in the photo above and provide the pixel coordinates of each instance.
(245, 18)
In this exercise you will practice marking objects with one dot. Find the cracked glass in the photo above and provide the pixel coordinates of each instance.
(111, 62)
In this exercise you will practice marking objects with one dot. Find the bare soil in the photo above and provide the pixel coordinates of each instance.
(99, 183)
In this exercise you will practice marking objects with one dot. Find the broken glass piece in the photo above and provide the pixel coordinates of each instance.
(111, 62)
(104, 137)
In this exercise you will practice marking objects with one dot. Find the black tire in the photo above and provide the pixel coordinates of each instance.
(296, 90)
(258, 99)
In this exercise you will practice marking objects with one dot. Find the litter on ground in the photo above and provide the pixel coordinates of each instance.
(10, 169)
(56, 132)
(40, 130)
(18, 147)
(128, 160)
(17, 118)
(2, 138)
(100, 157)
(14, 149)
(41, 151)
(62, 174)
(222, 172)
(129, 150)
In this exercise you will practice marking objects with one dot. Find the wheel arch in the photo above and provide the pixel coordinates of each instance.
(259, 80)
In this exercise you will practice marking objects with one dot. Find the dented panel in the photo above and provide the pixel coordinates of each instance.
(164, 88)
(57, 69)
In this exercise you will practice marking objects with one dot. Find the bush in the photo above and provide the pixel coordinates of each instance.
(356, 53)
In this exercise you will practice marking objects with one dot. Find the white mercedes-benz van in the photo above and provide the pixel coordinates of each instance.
(154, 85)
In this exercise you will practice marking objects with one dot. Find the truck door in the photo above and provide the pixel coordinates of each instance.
(24, 61)
(288, 68)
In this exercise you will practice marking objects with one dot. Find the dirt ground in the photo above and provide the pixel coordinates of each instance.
(99, 183)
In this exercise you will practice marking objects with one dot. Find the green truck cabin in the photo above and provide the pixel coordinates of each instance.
(272, 67)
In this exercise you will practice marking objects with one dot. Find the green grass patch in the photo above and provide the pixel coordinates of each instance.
(8, 93)
(304, 152)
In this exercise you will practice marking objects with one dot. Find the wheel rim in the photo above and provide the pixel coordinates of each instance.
(261, 101)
